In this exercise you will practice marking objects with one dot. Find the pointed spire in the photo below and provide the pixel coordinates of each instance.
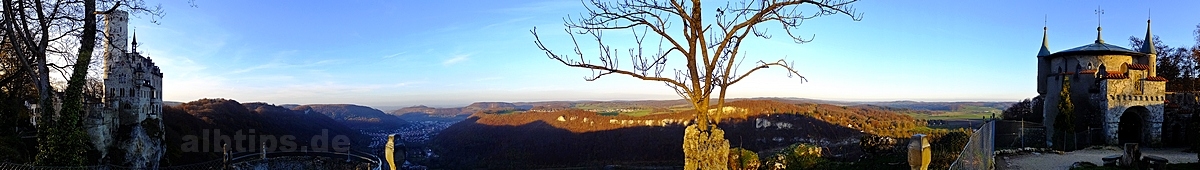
(1148, 43)
(135, 40)
(1045, 51)
(1099, 11)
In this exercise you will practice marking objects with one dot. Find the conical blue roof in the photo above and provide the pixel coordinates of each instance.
(1148, 43)
(1045, 51)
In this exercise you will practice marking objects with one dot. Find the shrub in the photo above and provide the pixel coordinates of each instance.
(740, 159)
(946, 148)
(874, 145)
(796, 156)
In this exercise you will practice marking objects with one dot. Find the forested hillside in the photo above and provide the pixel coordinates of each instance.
(575, 137)
(203, 118)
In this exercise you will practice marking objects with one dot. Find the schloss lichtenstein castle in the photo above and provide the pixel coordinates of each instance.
(1117, 95)
(126, 128)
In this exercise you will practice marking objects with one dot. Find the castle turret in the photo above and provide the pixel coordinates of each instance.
(115, 41)
(1151, 53)
(134, 49)
(1043, 65)
(116, 64)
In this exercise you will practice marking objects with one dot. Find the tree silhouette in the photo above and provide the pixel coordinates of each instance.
(1026, 110)
(1177, 65)
(710, 54)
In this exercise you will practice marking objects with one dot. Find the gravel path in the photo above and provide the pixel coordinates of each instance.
(1052, 161)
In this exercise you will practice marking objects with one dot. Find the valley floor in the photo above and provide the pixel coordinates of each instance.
(1052, 161)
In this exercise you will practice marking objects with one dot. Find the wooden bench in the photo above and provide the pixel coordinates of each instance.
(1155, 162)
(1111, 160)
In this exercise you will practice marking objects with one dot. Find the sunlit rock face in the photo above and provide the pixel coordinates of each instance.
(141, 149)
(126, 128)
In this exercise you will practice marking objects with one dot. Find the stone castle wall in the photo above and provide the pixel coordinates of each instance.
(1104, 99)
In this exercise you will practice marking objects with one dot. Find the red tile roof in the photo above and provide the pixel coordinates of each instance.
(1137, 66)
(1115, 75)
(1156, 79)
(1090, 71)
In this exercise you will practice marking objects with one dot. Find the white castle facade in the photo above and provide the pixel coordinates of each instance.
(127, 127)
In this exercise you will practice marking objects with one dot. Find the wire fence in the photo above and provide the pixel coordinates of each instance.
(1019, 134)
(978, 153)
(276, 160)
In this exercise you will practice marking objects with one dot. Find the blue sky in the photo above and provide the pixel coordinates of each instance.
(452, 53)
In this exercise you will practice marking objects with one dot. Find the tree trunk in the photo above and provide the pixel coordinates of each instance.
(67, 142)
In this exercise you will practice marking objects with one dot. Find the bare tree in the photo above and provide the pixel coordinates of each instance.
(36, 30)
(711, 54)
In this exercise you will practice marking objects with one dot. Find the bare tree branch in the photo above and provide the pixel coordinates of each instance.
(710, 53)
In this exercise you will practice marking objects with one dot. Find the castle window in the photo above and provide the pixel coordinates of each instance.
(1089, 65)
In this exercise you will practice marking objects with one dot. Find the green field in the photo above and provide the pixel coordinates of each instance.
(967, 112)
(641, 112)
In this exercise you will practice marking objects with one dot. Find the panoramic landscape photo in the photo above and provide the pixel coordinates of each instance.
(599, 84)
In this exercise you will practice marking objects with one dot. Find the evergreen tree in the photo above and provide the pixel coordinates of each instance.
(1064, 124)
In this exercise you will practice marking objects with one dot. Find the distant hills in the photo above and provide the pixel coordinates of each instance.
(355, 116)
(576, 137)
(941, 106)
(421, 112)
(555, 133)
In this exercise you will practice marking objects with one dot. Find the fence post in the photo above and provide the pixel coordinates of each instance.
(225, 156)
(389, 151)
(918, 152)
(264, 151)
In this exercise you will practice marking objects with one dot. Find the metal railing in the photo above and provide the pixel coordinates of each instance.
(978, 153)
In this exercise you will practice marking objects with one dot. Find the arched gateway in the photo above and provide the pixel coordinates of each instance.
(1132, 124)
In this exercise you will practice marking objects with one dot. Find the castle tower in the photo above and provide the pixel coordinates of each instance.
(1043, 65)
(115, 28)
(1152, 54)
(130, 127)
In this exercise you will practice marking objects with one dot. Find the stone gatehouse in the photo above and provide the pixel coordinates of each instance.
(1118, 98)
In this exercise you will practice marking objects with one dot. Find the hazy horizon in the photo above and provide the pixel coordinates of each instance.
(390, 107)
(418, 54)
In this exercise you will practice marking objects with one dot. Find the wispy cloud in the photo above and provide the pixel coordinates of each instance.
(545, 6)
(489, 78)
(407, 83)
(507, 22)
(280, 64)
(456, 59)
(396, 54)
